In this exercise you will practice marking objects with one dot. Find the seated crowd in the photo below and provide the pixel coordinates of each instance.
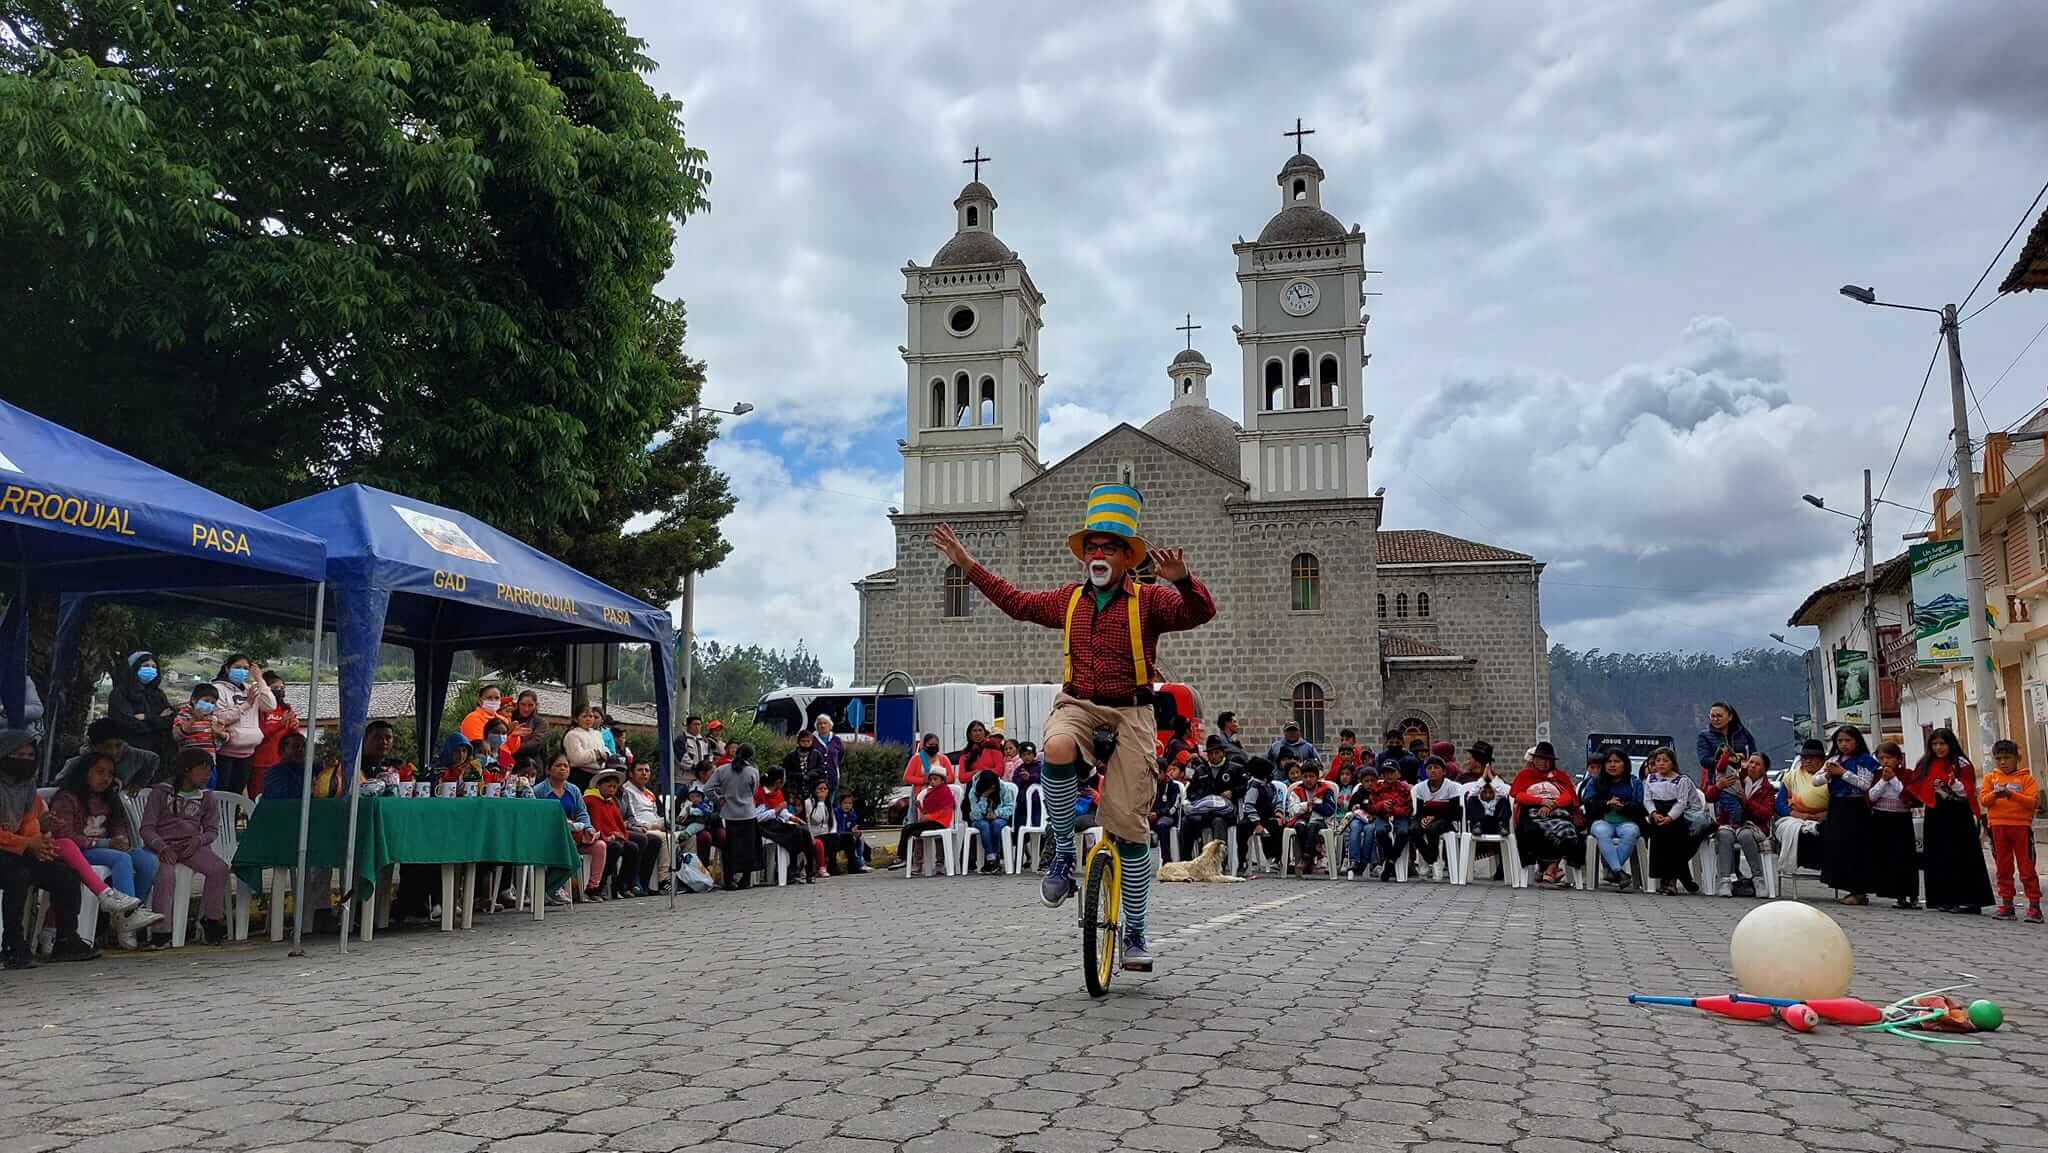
(1842, 810)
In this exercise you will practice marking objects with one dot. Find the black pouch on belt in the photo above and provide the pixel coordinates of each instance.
(1105, 746)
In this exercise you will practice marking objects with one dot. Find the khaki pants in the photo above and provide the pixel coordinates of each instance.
(1129, 779)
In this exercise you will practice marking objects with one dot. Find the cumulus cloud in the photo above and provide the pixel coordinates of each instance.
(1608, 236)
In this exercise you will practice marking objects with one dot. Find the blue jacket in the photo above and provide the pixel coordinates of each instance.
(845, 821)
(1005, 808)
(571, 799)
(1855, 783)
(1709, 749)
(1595, 792)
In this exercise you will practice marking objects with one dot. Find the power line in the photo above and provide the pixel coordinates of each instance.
(2024, 217)
(2008, 372)
(1917, 398)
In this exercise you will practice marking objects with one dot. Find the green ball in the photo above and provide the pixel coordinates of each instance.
(1986, 1015)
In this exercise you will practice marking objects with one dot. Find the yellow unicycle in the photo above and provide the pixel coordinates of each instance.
(1101, 916)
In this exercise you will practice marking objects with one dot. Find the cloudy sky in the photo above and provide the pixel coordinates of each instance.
(1608, 235)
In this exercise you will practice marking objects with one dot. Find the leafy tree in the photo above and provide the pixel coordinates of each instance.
(276, 247)
(730, 680)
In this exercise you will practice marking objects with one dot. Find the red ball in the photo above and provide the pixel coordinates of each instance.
(1799, 1018)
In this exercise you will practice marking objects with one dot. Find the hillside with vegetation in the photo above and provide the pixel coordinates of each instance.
(1668, 694)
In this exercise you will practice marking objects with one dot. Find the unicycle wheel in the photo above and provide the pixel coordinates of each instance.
(1099, 910)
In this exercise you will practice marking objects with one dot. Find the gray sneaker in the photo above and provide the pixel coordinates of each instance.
(1058, 883)
(1137, 954)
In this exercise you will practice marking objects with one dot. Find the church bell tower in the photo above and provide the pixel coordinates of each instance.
(971, 366)
(1306, 435)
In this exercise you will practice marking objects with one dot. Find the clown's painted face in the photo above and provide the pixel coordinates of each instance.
(1107, 558)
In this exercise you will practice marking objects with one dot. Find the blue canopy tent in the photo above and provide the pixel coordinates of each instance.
(81, 520)
(439, 581)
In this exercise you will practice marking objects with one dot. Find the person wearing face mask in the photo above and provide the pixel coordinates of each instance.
(277, 720)
(927, 756)
(244, 697)
(196, 726)
(488, 704)
(1111, 623)
(29, 860)
(138, 708)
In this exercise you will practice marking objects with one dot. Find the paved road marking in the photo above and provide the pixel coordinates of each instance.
(1241, 914)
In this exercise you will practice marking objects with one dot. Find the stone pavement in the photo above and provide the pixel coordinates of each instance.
(865, 1015)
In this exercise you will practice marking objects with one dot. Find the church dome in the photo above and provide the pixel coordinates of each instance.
(971, 248)
(1202, 433)
(1301, 222)
(976, 190)
(1189, 356)
(1302, 162)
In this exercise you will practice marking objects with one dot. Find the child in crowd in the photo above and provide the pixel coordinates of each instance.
(556, 787)
(1749, 830)
(629, 859)
(1438, 799)
(1945, 784)
(819, 819)
(1678, 821)
(1025, 773)
(29, 861)
(934, 806)
(1486, 806)
(1354, 818)
(781, 824)
(1895, 867)
(1845, 859)
(89, 825)
(1258, 812)
(195, 726)
(992, 806)
(1311, 804)
(179, 825)
(845, 837)
(1393, 815)
(2009, 794)
(458, 760)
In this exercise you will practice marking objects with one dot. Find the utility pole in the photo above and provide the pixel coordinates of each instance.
(1985, 681)
(1871, 722)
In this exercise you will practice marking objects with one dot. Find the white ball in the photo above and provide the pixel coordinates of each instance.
(1787, 949)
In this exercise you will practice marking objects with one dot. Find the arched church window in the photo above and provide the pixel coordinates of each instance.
(987, 413)
(1301, 378)
(1307, 576)
(937, 417)
(1187, 386)
(1309, 703)
(973, 216)
(1401, 606)
(963, 404)
(1422, 605)
(1300, 188)
(1382, 597)
(1276, 392)
(1328, 392)
(956, 591)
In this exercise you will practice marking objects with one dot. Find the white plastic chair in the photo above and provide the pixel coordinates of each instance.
(189, 884)
(1031, 824)
(1510, 854)
(1640, 861)
(970, 840)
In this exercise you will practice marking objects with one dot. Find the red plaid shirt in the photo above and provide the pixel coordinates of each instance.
(1102, 640)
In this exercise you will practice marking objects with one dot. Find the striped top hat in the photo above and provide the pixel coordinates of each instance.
(1113, 510)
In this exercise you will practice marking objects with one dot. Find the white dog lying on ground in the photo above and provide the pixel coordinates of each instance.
(1207, 866)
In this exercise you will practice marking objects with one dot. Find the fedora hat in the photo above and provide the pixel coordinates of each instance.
(1113, 510)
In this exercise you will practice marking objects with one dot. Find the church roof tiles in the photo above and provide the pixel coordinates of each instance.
(1421, 546)
(1394, 646)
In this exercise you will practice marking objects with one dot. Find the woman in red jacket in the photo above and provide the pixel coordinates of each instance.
(1549, 828)
(1945, 783)
(1748, 827)
(625, 850)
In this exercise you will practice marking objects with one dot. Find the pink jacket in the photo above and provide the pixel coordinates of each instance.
(179, 825)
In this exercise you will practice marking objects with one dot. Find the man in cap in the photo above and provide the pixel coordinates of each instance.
(1292, 742)
(1112, 624)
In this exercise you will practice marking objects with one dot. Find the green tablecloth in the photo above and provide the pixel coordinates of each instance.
(407, 830)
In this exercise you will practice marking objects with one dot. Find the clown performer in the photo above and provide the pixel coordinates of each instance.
(1112, 624)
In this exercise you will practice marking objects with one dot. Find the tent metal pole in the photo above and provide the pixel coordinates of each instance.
(306, 790)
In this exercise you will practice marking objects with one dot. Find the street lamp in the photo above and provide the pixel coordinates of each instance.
(740, 409)
(1981, 668)
(1780, 638)
(690, 582)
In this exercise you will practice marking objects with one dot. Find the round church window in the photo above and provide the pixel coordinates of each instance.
(961, 320)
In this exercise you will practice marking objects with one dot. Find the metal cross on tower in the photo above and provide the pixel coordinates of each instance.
(977, 160)
(1188, 326)
(1298, 133)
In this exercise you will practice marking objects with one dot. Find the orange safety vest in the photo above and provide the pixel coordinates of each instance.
(1137, 636)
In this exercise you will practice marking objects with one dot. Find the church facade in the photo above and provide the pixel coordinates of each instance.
(1322, 616)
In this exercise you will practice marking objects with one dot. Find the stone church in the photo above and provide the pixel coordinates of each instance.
(1322, 616)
